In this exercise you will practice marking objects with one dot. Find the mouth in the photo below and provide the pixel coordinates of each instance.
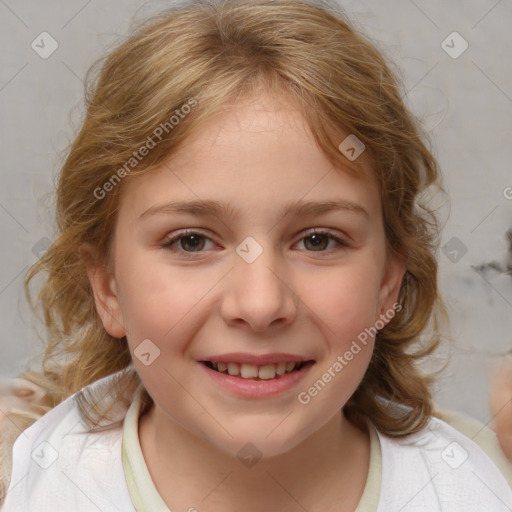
(256, 372)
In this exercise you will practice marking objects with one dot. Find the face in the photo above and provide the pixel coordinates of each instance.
(249, 281)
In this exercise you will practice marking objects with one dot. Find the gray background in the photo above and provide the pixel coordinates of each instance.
(464, 102)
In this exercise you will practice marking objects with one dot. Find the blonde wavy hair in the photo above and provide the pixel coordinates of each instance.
(220, 52)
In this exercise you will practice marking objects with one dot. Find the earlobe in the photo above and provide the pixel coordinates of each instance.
(105, 293)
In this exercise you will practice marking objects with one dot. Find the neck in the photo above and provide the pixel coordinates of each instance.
(326, 471)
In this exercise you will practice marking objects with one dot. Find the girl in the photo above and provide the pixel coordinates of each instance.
(243, 268)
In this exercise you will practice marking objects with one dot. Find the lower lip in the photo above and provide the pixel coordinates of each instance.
(249, 388)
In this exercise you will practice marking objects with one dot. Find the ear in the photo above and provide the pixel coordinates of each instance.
(396, 266)
(105, 293)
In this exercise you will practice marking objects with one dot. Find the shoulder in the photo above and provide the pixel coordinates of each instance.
(482, 435)
(440, 468)
(21, 404)
(57, 455)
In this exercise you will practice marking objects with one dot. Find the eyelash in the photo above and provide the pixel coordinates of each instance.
(170, 243)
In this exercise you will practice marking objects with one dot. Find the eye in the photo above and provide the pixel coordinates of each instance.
(189, 242)
(320, 238)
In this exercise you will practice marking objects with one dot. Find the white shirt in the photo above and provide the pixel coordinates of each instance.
(58, 467)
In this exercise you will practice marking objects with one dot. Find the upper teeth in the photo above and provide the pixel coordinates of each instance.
(250, 371)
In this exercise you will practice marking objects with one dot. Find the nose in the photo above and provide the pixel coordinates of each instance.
(258, 295)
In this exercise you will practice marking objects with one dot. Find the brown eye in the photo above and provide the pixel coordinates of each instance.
(318, 241)
(190, 243)
(186, 243)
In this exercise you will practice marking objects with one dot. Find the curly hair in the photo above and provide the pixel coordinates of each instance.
(219, 52)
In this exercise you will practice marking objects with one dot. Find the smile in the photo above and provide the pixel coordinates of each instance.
(257, 382)
(251, 371)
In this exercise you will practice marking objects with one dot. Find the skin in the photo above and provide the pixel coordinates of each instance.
(292, 298)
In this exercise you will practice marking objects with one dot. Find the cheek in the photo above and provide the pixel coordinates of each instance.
(155, 298)
(343, 299)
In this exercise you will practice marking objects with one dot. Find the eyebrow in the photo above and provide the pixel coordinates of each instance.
(205, 208)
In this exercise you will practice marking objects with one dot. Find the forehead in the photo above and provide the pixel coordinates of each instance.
(256, 158)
